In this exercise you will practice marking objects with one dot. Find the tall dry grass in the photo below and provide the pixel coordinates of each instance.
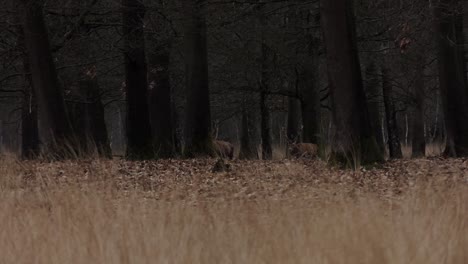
(279, 212)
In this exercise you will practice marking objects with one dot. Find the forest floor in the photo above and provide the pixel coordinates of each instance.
(100, 211)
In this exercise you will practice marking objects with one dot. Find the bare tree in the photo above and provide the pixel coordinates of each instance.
(452, 78)
(30, 143)
(353, 137)
(419, 139)
(139, 145)
(161, 104)
(198, 140)
(248, 150)
(53, 115)
(394, 145)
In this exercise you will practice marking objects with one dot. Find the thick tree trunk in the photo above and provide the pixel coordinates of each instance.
(198, 141)
(56, 129)
(161, 105)
(390, 113)
(353, 140)
(30, 143)
(418, 135)
(310, 107)
(452, 78)
(248, 150)
(267, 150)
(375, 100)
(139, 138)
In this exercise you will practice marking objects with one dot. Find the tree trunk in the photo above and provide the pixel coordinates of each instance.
(248, 150)
(30, 146)
(30, 143)
(452, 79)
(353, 140)
(310, 107)
(178, 131)
(267, 150)
(293, 126)
(390, 114)
(139, 139)
(96, 122)
(419, 139)
(161, 105)
(374, 99)
(198, 140)
(78, 112)
(310, 121)
(56, 129)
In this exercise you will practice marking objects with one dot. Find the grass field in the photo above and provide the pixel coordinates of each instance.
(261, 212)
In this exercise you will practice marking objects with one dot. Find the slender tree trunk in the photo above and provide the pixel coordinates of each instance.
(310, 107)
(78, 112)
(178, 131)
(390, 113)
(310, 121)
(267, 150)
(265, 65)
(161, 105)
(96, 123)
(452, 78)
(198, 141)
(56, 129)
(30, 146)
(419, 139)
(139, 139)
(122, 108)
(353, 140)
(374, 99)
(248, 150)
(293, 126)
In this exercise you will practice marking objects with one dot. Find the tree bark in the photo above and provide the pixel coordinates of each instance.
(30, 142)
(96, 122)
(310, 121)
(198, 141)
(374, 99)
(353, 140)
(418, 137)
(310, 106)
(56, 129)
(267, 150)
(394, 145)
(161, 105)
(293, 125)
(30, 146)
(178, 131)
(248, 150)
(452, 78)
(139, 138)
(88, 118)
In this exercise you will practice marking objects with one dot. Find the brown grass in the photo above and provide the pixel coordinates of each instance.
(261, 212)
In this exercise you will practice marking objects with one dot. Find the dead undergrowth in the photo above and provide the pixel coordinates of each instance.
(101, 211)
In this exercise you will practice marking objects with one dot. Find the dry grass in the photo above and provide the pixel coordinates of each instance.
(261, 212)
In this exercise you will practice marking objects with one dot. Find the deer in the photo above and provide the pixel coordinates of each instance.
(303, 150)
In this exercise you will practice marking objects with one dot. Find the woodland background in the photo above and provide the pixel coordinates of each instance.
(152, 79)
